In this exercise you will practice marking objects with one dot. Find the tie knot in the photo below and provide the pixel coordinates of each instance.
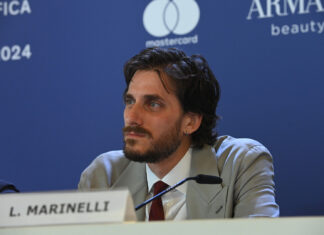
(159, 187)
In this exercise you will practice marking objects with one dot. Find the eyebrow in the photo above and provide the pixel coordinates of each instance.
(153, 97)
(146, 97)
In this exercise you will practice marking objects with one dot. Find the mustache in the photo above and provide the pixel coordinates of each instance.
(136, 129)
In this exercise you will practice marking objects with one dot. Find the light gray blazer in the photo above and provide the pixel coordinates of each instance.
(244, 165)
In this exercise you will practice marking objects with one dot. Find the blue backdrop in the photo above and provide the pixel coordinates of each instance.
(61, 82)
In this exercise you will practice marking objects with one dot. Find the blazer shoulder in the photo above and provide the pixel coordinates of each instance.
(103, 170)
(237, 151)
(240, 146)
(228, 142)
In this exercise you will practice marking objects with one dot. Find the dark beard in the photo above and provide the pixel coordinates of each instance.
(160, 150)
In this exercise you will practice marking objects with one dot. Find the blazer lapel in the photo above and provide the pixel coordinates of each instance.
(200, 197)
(134, 178)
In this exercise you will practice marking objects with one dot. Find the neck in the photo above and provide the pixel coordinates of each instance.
(160, 169)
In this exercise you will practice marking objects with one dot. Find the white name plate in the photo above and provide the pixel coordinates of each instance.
(29, 209)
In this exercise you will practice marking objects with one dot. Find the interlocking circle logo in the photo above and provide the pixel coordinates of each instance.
(162, 17)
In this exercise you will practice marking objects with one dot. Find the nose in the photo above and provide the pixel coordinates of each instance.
(133, 115)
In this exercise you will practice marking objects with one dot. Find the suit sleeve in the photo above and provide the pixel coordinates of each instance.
(254, 194)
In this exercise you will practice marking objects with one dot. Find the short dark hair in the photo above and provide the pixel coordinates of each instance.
(196, 86)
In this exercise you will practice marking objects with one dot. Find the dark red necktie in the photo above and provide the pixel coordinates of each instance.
(157, 212)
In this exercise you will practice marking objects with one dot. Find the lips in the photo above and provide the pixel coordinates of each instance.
(134, 134)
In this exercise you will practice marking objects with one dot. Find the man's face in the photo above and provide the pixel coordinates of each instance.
(153, 118)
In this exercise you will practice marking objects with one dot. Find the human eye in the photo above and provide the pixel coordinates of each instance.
(155, 105)
(129, 101)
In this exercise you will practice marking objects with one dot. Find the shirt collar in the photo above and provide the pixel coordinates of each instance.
(179, 172)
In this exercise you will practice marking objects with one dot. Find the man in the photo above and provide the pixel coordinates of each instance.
(170, 103)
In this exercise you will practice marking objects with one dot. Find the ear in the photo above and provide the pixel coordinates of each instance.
(192, 122)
